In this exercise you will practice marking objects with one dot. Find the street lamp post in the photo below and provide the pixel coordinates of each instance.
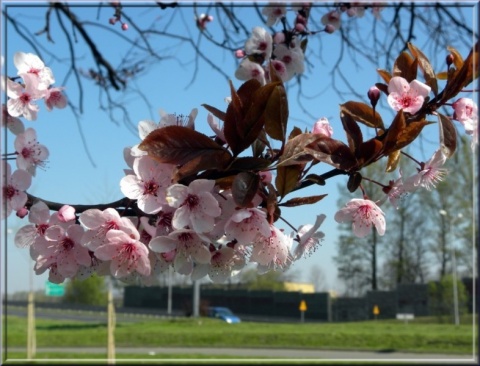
(454, 268)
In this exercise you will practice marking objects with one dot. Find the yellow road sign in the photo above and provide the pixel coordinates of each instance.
(303, 306)
(376, 310)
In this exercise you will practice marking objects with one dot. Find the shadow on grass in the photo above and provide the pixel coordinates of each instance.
(386, 350)
(71, 326)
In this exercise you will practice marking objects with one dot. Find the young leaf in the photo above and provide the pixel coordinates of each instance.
(405, 66)
(397, 126)
(386, 76)
(276, 114)
(425, 66)
(362, 113)
(354, 181)
(354, 134)
(298, 201)
(457, 58)
(287, 178)
(249, 163)
(179, 145)
(333, 152)
(244, 187)
(393, 160)
(216, 112)
(448, 135)
(294, 150)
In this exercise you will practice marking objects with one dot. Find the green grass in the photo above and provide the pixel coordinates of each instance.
(393, 335)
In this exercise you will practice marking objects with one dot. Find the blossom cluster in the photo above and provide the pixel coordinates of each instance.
(204, 226)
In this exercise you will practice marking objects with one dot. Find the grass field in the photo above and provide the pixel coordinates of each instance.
(420, 335)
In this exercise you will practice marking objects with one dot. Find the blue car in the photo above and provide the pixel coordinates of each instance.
(224, 314)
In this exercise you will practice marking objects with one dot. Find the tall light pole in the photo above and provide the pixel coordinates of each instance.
(454, 267)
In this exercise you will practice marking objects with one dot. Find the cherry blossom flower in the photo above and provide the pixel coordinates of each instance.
(188, 246)
(223, 264)
(169, 119)
(66, 213)
(39, 216)
(322, 127)
(161, 225)
(429, 173)
(30, 153)
(55, 98)
(246, 224)
(64, 250)
(149, 184)
(364, 214)
(466, 112)
(331, 18)
(126, 253)
(29, 63)
(272, 251)
(13, 190)
(292, 57)
(22, 98)
(14, 124)
(279, 68)
(196, 205)
(215, 126)
(309, 238)
(259, 43)
(397, 191)
(409, 97)
(250, 70)
(202, 21)
(274, 11)
(98, 223)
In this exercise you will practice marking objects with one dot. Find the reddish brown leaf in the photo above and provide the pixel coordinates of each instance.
(273, 211)
(298, 201)
(425, 66)
(354, 181)
(333, 152)
(448, 135)
(362, 113)
(354, 134)
(179, 145)
(317, 179)
(368, 151)
(244, 187)
(295, 132)
(393, 160)
(405, 66)
(382, 87)
(287, 178)
(397, 126)
(409, 133)
(294, 150)
(216, 112)
(457, 58)
(249, 163)
(276, 114)
(386, 76)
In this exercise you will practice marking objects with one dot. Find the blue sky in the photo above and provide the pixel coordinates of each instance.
(71, 178)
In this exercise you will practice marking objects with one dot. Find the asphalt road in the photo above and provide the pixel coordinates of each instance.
(273, 354)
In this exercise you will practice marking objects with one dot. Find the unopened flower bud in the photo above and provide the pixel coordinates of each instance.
(22, 212)
(279, 37)
(300, 27)
(329, 28)
(301, 19)
(124, 26)
(239, 53)
(112, 21)
(449, 59)
(266, 176)
(373, 95)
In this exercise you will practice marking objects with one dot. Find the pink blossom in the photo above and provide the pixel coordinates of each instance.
(259, 43)
(55, 98)
(279, 68)
(196, 205)
(250, 70)
(309, 238)
(224, 263)
(66, 213)
(30, 153)
(31, 64)
(202, 21)
(22, 98)
(14, 124)
(98, 223)
(149, 184)
(274, 11)
(273, 251)
(397, 190)
(169, 119)
(215, 126)
(429, 173)
(331, 18)
(409, 97)
(466, 112)
(13, 190)
(161, 224)
(246, 224)
(322, 127)
(364, 214)
(292, 57)
(126, 253)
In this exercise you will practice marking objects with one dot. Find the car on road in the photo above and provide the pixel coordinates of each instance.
(223, 313)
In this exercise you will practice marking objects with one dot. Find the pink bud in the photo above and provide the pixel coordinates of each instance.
(322, 127)
(239, 53)
(301, 19)
(449, 59)
(351, 12)
(300, 27)
(124, 26)
(373, 95)
(22, 212)
(112, 21)
(279, 37)
(266, 176)
(329, 28)
(66, 213)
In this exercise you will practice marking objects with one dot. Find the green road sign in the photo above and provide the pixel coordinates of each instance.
(53, 289)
